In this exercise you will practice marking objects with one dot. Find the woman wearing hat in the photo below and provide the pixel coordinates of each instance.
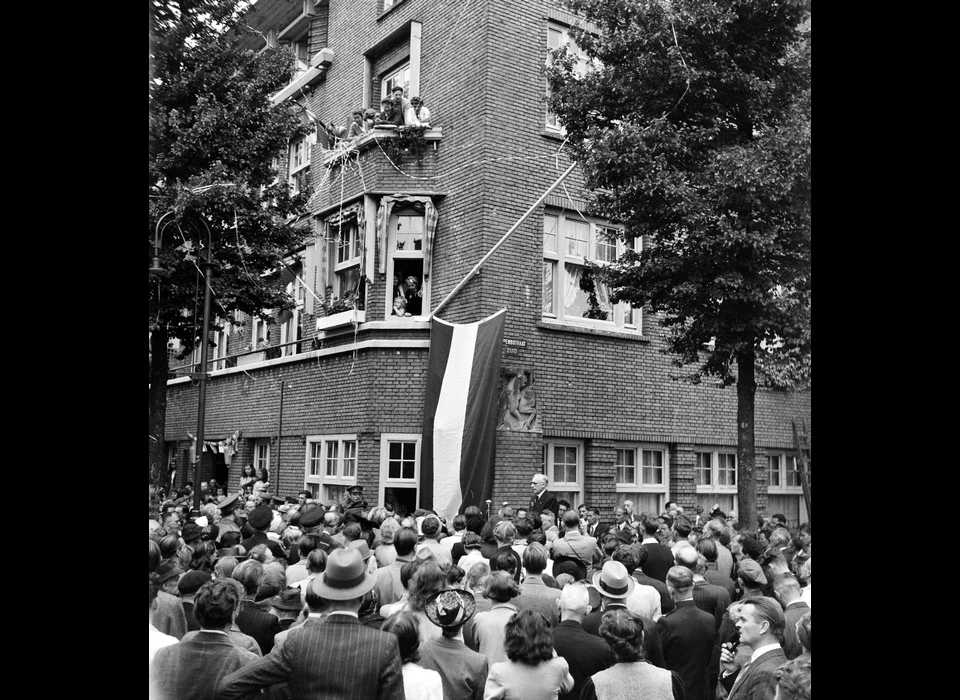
(624, 634)
(534, 671)
(462, 670)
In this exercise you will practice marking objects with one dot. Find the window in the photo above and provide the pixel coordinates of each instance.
(641, 476)
(785, 493)
(400, 472)
(557, 36)
(397, 76)
(715, 477)
(291, 322)
(219, 352)
(405, 241)
(568, 241)
(344, 258)
(331, 466)
(261, 455)
(300, 163)
(563, 465)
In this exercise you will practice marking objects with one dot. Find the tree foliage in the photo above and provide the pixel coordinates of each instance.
(214, 134)
(692, 127)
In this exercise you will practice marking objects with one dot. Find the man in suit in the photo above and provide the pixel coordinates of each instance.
(594, 527)
(760, 623)
(666, 600)
(251, 620)
(787, 589)
(572, 542)
(659, 557)
(541, 498)
(188, 585)
(340, 657)
(192, 669)
(707, 547)
(707, 596)
(688, 635)
(585, 653)
(534, 593)
(462, 670)
(615, 585)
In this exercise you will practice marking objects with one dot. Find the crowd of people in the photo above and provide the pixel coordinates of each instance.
(395, 111)
(254, 595)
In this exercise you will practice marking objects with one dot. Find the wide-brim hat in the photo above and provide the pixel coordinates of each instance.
(613, 581)
(290, 598)
(362, 547)
(345, 577)
(450, 608)
(228, 503)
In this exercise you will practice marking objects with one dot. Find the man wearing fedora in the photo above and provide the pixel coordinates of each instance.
(339, 658)
(462, 670)
(615, 585)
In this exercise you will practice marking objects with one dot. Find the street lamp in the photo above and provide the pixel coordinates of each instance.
(207, 266)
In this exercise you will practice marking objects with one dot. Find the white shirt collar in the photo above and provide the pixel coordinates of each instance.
(351, 613)
(763, 650)
(648, 540)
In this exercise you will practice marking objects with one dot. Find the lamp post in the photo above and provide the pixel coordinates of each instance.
(202, 375)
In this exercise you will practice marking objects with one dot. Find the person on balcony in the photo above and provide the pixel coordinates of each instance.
(420, 112)
(390, 115)
(358, 127)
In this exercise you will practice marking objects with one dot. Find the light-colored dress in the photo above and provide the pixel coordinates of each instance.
(421, 683)
(513, 680)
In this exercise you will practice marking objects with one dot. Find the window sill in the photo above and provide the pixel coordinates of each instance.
(342, 318)
(551, 134)
(390, 9)
(552, 325)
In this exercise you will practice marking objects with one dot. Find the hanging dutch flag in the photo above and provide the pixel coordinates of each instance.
(460, 414)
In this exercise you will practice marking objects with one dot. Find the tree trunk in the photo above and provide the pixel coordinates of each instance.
(746, 452)
(159, 371)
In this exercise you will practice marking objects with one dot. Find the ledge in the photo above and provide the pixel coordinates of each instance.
(319, 65)
(343, 318)
(592, 330)
(368, 141)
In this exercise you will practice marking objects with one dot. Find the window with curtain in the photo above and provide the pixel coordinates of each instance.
(568, 242)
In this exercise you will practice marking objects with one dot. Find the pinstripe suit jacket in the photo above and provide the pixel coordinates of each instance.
(339, 660)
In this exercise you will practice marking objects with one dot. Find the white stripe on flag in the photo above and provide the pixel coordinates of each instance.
(450, 418)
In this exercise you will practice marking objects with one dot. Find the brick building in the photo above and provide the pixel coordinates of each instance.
(332, 394)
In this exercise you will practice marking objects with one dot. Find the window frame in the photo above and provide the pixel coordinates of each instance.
(638, 485)
(564, 31)
(328, 488)
(715, 471)
(548, 467)
(386, 439)
(559, 258)
(298, 163)
(403, 209)
(261, 454)
(295, 288)
(404, 70)
(783, 472)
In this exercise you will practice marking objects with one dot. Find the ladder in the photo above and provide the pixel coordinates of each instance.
(801, 443)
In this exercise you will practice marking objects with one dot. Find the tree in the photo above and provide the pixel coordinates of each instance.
(213, 135)
(692, 127)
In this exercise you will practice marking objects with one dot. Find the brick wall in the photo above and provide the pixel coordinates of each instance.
(481, 77)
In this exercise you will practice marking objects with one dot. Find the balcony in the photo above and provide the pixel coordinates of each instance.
(372, 164)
